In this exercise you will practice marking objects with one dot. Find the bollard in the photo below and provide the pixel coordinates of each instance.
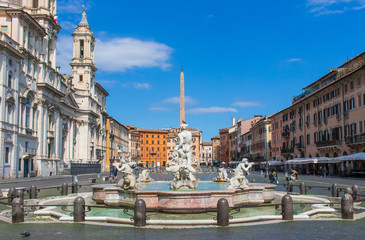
(287, 207)
(17, 211)
(290, 186)
(348, 190)
(253, 180)
(74, 187)
(33, 192)
(222, 212)
(334, 190)
(79, 209)
(302, 188)
(140, 213)
(347, 210)
(356, 193)
(19, 193)
(11, 195)
(64, 189)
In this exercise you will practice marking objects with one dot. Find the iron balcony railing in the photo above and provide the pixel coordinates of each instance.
(329, 143)
(355, 140)
(287, 150)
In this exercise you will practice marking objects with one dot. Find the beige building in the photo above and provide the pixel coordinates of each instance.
(206, 153)
(134, 144)
(216, 154)
(326, 120)
(260, 140)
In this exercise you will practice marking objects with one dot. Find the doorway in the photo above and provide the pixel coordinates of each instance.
(26, 168)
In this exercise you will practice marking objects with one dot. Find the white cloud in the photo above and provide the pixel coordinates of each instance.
(141, 85)
(176, 100)
(118, 54)
(64, 53)
(326, 7)
(211, 110)
(246, 104)
(293, 60)
(163, 109)
(121, 54)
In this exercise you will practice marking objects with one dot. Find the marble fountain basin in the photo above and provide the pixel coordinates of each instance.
(157, 195)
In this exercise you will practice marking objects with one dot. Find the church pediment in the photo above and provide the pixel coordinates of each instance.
(70, 100)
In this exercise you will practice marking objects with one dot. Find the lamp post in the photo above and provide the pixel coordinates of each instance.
(111, 136)
(266, 155)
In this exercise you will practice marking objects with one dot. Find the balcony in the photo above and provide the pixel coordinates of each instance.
(329, 144)
(29, 152)
(299, 146)
(355, 141)
(285, 134)
(287, 150)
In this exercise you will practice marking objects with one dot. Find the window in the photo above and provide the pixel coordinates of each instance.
(27, 112)
(81, 48)
(308, 139)
(152, 136)
(352, 103)
(4, 28)
(308, 106)
(7, 155)
(359, 100)
(35, 4)
(345, 88)
(81, 78)
(10, 76)
(352, 85)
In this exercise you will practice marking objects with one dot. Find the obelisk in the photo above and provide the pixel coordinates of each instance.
(182, 98)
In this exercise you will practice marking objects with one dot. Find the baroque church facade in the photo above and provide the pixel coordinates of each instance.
(47, 119)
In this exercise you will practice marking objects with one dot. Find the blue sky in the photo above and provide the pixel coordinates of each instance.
(240, 57)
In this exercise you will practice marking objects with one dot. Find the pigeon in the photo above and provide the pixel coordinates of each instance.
(25, 234)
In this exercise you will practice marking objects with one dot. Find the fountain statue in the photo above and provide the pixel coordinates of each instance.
(144, 177)
(222, 176)
(128, 180)
(182, 166)
(238, 180)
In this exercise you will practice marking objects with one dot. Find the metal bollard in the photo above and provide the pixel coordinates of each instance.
(140, 213)
(334, 190)
(356, 193)
(74, 187)
(64, 189)
(222, 212)
(253, 180)
(347, 210)
(11, 195)
(17, 211)
(302, 188)
(348, 190)
(33, 192)
(287, 207)
(79, 209)
(290, 186)
(19, 193)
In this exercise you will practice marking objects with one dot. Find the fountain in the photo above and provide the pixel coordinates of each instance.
(184, 193)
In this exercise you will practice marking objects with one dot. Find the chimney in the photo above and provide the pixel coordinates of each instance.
(233, 121)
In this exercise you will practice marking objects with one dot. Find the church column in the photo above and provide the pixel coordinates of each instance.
(72, 130)
(40, 129)
(45, 130)
(58, 134)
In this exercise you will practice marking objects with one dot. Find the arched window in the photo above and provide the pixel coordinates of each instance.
(310, 156)
(327, 155)
(27, 112)
(335, 155)
(317, 155)
(10, 76)
(344, 153)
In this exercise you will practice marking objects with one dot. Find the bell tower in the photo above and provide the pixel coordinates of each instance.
(83, 66)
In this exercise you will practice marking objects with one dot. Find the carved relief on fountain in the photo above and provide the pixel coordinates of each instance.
(238, 180)
(128, 180)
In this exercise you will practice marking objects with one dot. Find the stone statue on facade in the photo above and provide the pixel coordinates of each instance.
(238, 179)
(128, 180)
(181, 166)
(144, 177)
(222, 176)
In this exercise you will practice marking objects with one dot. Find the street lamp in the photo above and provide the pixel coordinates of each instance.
(111, 136)
(266, 155)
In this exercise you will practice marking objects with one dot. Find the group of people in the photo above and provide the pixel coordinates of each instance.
(273, 177)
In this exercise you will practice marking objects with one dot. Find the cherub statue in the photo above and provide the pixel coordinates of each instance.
(128, 180)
